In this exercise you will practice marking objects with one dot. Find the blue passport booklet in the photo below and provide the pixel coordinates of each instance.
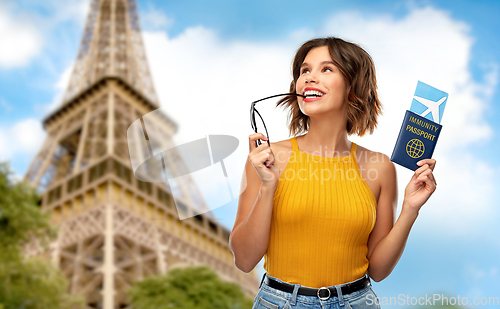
(421, 127)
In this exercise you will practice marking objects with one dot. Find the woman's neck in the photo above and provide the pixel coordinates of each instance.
(327, 137)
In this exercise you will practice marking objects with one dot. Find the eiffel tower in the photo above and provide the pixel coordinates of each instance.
(113, 228)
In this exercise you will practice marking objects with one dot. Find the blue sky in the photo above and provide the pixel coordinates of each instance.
(247, 47)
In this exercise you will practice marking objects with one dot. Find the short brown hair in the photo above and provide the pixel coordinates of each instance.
(359, 72)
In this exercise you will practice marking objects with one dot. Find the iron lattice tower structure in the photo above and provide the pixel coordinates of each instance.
(113, 228)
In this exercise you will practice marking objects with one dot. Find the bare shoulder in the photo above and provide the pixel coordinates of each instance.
(376, 168)
(282, 148)
(282, 151)
(372, 158)
(284, 144)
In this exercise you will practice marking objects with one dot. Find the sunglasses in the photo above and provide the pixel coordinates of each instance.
(253, 110)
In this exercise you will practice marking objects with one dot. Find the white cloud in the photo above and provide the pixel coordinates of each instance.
(206, 84)
(204, 81)
(31, 29)
(25, 138)
(70, 10)
(153, 19)
(28, 135)
(50, 13)
(60, 89)
(20, 39)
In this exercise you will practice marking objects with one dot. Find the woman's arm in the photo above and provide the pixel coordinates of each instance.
(387, 241)
(250, 235)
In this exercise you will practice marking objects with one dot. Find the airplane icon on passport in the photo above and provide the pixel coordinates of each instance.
(432, 107)
(429, 102)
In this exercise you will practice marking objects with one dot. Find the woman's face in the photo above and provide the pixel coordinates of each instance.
(321, 82)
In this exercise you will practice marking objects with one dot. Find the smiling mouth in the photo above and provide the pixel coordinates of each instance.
(313, 94)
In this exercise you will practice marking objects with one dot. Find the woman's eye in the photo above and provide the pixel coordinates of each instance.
(305, 70)
(328, 69)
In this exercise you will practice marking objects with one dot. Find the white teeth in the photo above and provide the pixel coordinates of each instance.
(309, 93)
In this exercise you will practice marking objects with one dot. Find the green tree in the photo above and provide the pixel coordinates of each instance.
(188, 288)
(27, 283)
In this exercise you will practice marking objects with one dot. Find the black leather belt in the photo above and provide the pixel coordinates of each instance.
(322, 293)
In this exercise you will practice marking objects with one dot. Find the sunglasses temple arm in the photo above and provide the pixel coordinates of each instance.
(279, 95)
(252, 121)
(267, 134)
(252, 117)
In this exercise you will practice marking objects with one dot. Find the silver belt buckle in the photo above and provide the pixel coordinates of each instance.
(324, 298)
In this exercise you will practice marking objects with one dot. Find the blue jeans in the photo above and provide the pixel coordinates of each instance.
(270, 298)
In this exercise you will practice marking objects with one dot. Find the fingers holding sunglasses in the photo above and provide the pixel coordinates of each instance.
(254, 138)
(262, 159)
(265, 166)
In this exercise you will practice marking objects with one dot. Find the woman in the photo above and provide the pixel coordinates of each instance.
(318, 207)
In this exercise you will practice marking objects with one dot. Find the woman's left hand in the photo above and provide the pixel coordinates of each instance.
(421, 186)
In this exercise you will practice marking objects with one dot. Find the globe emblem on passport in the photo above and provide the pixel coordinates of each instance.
(415, 148)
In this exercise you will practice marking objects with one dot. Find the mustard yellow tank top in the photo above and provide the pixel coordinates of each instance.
(323, 213)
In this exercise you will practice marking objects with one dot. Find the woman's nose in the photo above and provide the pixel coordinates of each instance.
(310, 78)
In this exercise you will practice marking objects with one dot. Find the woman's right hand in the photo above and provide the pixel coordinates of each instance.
(262, 159)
